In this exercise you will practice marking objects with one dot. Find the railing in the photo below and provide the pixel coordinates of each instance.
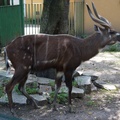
(33, 14)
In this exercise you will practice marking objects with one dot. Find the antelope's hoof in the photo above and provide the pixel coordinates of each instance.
(29, 101)
(13, 113)
(36, 106)
(55, 108)
(33, 102)
(71, 109)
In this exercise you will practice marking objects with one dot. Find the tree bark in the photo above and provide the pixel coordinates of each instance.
(54, 20)
(55, 17)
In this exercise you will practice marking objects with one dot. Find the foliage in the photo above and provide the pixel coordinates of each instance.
(84, 36)
(2, 85)
(1, 91)
(114, 48)
(29, 89)
(89, 101)
(32, 21)
(61, 97)
(52, 83)
(75, 84)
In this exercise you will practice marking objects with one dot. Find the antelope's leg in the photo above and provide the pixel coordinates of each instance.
(58, 81)
(9, 88)
(68, 81)
(22, 88)
(17, 77)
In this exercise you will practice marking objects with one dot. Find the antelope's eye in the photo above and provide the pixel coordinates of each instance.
(112, 32)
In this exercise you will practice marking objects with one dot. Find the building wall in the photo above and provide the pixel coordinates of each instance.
(109, 9)
(33, 9)
(34, 1)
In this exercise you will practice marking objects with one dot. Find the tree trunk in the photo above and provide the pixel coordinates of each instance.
(55, 17)
(54, 21)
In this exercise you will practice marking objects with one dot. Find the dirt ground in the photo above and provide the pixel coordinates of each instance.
(99, 105)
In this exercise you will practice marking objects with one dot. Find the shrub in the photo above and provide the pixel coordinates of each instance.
(32, 89)
(61, 97)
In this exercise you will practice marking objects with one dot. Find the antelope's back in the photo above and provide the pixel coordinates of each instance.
(40, 49)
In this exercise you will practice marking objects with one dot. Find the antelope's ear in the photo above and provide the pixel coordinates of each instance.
(95, 27)
(98, 29)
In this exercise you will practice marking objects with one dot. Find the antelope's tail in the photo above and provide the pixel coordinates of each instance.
(7, 61)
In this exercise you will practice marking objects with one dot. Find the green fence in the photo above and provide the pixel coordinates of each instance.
(33, 14)
(11, 22)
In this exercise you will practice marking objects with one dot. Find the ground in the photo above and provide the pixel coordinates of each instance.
(99, 105)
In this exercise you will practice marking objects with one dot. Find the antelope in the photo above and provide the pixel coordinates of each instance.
(62, 52)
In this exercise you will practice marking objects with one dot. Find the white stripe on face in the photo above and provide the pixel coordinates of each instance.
(110, 36)
(117, 34)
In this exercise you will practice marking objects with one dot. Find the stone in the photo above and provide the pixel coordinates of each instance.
(16, 98)
(104, 85)
(77, 73)
(93, 88)
(94, 78)
(117, 85)
(45, 84)
(4, 73)
(109, 86)
(45, 81)
(76, 92)
(21, 99)
(41, 100)
(84, 82)
(31, 78)
(44, 88)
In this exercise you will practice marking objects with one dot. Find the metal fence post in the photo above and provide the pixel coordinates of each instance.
(5, 2)
(22, 15)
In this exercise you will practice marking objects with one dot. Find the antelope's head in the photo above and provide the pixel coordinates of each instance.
(107, 34)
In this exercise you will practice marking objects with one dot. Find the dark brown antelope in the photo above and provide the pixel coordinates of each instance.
(62, 52)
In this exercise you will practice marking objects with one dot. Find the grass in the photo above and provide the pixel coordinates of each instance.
(114, 48)
(52, 83)
(1, 91)
(84, 36)
(75, 84)
(2, 85)
(89, 102)
(30, 89)
(61, 97)
(101, 98)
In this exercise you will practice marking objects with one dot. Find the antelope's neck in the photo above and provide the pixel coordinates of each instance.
(90, 47)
